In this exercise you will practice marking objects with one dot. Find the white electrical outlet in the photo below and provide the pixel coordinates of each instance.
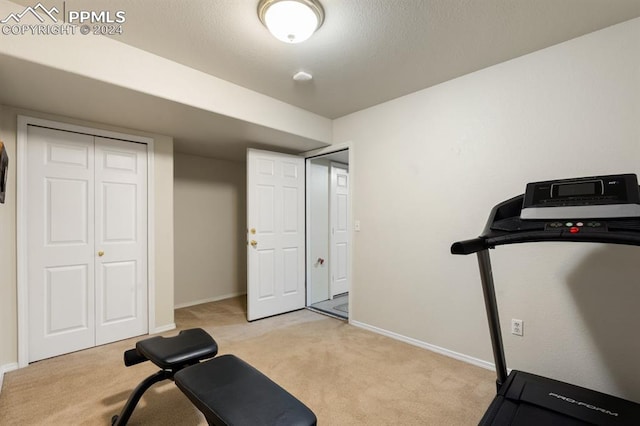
(517, 327)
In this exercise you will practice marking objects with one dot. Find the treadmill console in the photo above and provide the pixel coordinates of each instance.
(596, 197)
(577, 226)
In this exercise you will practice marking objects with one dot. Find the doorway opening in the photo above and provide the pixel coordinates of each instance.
(328, 233)
(298, 231)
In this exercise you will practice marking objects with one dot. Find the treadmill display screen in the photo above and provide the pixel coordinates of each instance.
(587, 188)
(601, 197)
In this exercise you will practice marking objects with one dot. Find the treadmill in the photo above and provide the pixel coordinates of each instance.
(602, 209)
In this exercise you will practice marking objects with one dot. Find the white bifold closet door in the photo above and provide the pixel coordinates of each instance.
(87, 241)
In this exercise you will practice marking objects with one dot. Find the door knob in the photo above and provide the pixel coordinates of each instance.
(100, 253)
(254, 243)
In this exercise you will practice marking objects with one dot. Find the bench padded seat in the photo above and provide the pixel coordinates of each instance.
(188, 347)
(230, 392)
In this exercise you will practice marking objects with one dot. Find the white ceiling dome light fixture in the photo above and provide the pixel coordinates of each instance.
(291, 21)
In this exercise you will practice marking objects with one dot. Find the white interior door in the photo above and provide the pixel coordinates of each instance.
(60, 242)
(121, 239)
(318, 230)
(339, 222)
(276, 233)
(86, 196)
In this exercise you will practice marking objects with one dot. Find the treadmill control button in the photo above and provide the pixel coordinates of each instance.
(556, 224)
(579, 224)
(594, 224)
(574, 230)
(569, 224)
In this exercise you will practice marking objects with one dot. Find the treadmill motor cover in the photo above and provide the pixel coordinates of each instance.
(529, 400)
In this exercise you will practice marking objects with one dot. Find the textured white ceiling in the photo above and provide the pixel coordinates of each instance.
(367, 51)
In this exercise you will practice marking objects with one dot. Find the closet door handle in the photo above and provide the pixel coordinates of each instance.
(100, 253)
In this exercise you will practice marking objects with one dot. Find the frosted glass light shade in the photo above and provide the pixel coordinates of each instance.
(291, 21)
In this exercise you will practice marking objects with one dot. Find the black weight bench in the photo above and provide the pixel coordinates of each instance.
(227, 390)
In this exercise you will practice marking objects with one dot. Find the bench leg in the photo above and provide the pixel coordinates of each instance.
(127, 411)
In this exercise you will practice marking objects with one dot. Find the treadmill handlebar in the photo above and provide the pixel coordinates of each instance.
(469, 246)
(608, 237)
(624, 231)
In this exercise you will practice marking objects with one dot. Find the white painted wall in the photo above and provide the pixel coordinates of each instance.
(318, 194)
(210, 229)
(432, 164)
(163, 174)
(8, 262)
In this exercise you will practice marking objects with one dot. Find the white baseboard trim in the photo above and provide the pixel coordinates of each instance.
(433, 348)
(5, 369)
(208, 300)
(163, 328)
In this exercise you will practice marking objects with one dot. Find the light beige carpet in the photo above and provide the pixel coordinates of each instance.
(346, 375)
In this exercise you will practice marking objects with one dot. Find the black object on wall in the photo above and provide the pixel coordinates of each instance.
(4, 171)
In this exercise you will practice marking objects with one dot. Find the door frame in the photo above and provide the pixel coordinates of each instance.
(331, 149)
(21, 209)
